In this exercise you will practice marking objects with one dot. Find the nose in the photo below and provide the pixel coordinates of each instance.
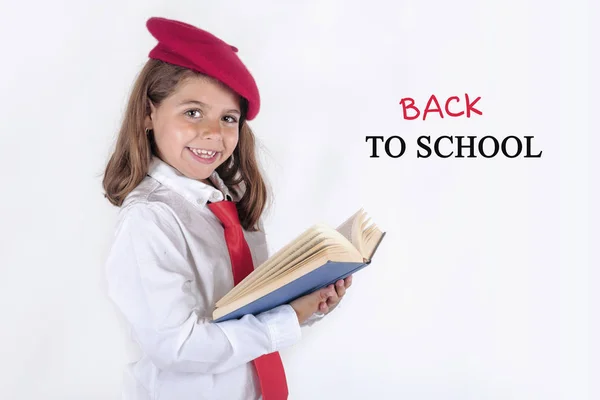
(211, 129)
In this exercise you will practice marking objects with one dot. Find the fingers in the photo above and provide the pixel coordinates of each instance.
(333, 299)
(325, 295)
(340, 288)
(340, 291)
(323, 307)
(322, 296)
(348, 281)
(307, 305)
(331, 295)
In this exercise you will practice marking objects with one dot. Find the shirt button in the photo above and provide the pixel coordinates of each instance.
(214, 196)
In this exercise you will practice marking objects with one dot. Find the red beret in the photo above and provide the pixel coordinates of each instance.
(190, 47)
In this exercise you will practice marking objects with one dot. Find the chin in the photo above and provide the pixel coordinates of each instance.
(200, 175)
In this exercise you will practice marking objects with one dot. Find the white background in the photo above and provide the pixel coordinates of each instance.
(483, 287)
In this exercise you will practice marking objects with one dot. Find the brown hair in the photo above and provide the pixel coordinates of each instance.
(128, 164)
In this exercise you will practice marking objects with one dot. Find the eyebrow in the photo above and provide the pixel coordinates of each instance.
(201, 104)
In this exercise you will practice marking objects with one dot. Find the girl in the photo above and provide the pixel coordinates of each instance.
(184, 155)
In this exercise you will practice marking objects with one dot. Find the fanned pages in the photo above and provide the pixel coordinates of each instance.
(317, 257)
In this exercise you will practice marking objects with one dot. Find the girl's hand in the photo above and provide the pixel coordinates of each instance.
(340, 291)
(322, 300)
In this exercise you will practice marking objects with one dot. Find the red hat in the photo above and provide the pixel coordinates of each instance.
(190, 47)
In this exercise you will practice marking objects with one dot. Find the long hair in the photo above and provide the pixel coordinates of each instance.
(130, 160)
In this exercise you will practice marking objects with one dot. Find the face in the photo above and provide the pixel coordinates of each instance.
(196, 128)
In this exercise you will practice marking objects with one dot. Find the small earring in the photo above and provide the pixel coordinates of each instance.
(148, 130)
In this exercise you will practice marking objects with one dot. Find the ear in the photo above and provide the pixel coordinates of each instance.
(148, 120)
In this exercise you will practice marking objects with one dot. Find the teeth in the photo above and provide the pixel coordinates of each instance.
(203, 153)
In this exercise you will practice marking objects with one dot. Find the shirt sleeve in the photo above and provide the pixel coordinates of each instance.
(313, 319)
(148, 279)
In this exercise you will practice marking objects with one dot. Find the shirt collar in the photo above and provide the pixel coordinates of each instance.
(195, 191)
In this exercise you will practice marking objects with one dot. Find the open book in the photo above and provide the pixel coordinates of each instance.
(315, 259)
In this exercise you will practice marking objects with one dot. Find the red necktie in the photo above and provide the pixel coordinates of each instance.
(269, 367)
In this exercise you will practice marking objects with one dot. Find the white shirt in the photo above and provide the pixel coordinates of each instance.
(167, 267)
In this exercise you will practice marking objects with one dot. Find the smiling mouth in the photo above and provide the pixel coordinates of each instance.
(202, 153)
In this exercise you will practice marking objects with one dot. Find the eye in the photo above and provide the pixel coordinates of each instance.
(230, 119)
(195, 113)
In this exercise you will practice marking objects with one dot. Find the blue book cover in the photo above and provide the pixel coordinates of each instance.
(323, 276)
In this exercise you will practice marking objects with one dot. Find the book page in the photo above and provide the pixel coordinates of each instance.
(367, 234)
(348, 229)
(328, 240)
(373, 237)
(289, 251)
(282, 259)
(323, 246)
(356, 238)
(332, 251)
(357, 231)
(335, 250)
(299, 254)
(307, 266)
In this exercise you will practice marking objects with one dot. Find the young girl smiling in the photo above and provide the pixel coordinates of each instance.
(185, 176)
